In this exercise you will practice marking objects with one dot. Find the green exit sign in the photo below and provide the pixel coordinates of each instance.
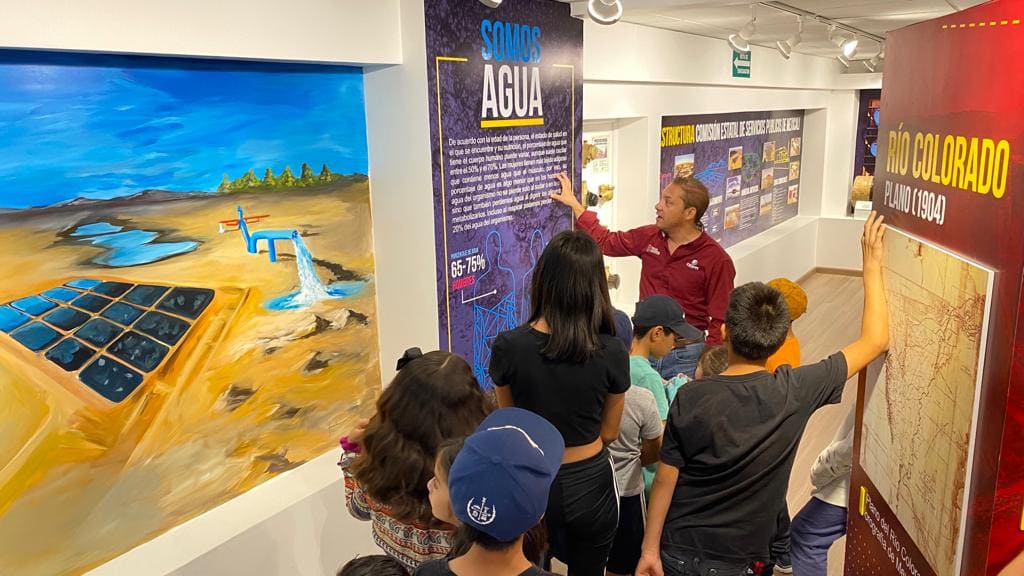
(740, 64)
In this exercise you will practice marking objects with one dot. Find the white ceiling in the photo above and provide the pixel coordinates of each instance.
(720, 18)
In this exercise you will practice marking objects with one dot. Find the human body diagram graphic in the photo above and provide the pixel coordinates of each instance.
(536, 247)
(494, 306)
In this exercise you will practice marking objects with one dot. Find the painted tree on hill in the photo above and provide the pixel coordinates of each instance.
(249, 180)
(306, 175)
(325, 174)
(286, 178)
(268, 178)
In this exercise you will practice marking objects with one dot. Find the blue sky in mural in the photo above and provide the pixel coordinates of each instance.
(104, 126)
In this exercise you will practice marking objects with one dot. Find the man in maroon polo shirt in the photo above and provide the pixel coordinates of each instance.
(678, 259)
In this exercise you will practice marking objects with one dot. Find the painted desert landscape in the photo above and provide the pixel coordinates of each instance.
(167, 343)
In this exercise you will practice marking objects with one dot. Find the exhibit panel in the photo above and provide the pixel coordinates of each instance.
(749, 161)
(505, 87)
(938, 480)
(400, 199)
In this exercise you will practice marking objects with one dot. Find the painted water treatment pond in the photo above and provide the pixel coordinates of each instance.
(126, 247)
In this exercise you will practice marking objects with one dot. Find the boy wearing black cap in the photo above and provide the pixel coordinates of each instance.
(657, 323)
(730, 441)
(498, 488)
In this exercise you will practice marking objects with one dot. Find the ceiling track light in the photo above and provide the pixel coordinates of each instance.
(849, 47)
(833, 25)
(876, 60)
(786, 46)
(835, 37)
(843, 60)
(491, 3)
(740, 41)
(605, 12)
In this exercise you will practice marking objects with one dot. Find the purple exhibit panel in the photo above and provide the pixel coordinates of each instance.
(505, 88)
(750, 161)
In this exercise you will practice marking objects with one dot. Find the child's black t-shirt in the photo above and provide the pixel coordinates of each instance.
(733, 439)
(570, 395)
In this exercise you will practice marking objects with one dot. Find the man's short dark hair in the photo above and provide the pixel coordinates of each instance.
(695, 195)
(484, 540)
(375, 565)
(758, 321)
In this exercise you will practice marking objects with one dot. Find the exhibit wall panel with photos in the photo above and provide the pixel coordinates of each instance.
(749, 161)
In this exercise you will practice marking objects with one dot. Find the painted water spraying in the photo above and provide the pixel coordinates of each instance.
(311, 288)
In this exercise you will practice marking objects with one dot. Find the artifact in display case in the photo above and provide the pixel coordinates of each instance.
(860, 196)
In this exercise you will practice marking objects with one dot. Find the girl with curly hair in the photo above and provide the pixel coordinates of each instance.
(389, 460)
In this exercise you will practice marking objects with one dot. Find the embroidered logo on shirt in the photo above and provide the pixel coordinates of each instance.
(480, 513)
(653, 250)
(693, 264)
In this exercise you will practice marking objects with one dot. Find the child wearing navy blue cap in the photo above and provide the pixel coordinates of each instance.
(498, 490)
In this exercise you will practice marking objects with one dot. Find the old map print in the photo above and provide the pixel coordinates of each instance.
(919, 414)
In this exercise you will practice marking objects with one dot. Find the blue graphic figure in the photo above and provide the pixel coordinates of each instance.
(713, 176)
(268, 236)
(494, 307)
(536, 247)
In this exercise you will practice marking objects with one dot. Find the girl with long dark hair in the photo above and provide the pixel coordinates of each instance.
(566, 365)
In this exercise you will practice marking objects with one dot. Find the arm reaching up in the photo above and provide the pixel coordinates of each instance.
(566, 197)
(627, 243)
(874, 331)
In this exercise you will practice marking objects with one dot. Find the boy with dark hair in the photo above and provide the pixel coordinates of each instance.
(657, 323)
(498, 488)
(730, 441)
(376, 565)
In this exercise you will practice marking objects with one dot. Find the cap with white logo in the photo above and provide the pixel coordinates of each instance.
(499, 482)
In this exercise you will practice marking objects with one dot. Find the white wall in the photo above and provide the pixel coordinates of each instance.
(294, 524)
(337, 31)
(633, 53)
(401, 188)
(838, 243)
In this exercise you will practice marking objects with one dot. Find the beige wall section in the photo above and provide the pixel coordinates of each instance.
(338, 31)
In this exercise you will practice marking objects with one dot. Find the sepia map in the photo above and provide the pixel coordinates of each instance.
(919, 415)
